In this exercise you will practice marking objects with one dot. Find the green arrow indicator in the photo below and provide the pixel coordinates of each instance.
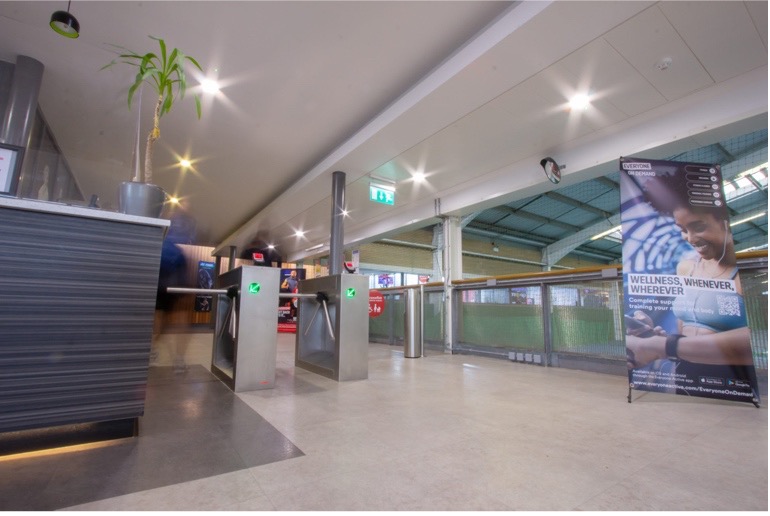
(254, 288)
(351, 292)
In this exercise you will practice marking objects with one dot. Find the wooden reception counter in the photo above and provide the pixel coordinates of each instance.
(77, 300)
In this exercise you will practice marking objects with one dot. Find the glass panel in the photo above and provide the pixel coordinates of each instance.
(754, 283)
(506, 324)
(389, 327)
(433, 318)
(586, 319)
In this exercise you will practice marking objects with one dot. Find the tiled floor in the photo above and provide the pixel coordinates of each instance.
(450, 432)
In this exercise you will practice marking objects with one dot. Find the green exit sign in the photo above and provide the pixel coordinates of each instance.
(382, 195)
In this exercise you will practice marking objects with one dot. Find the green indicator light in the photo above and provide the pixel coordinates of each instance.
(351, 292)
(254, 288)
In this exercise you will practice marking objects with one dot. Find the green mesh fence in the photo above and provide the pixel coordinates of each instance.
(585, 319)
(502, 326)
(754, 283)
(576, 329)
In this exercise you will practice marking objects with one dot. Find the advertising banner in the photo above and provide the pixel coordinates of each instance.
(205, 280)
(686, 330)
(287, 307)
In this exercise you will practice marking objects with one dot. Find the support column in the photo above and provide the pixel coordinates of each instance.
(231, 258)
(453, 269)
(22, 102)
(438, 252)
(336, 241)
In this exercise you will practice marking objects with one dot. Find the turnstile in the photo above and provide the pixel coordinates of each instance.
(246, 329)
(333, 327)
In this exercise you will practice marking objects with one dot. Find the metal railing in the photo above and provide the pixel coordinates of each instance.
(569, 318)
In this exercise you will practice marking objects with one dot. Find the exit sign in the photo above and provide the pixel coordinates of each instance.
(382, 195)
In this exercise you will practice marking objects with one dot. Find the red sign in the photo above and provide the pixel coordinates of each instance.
(376, 303)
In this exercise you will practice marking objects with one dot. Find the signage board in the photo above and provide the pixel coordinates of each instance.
(382, 194)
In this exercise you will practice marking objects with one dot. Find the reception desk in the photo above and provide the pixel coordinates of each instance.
(77, 300)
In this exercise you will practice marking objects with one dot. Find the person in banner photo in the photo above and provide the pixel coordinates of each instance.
(291, 284)
(686, 325)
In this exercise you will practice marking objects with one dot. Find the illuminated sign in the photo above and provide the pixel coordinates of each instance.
(382, 194)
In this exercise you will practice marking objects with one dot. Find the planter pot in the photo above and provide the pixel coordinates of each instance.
(143, 199)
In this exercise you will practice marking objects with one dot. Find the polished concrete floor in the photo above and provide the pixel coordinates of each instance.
(443, 432)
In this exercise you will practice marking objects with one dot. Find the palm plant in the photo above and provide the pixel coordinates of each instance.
(165, 73)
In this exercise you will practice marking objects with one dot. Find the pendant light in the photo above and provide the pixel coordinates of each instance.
(65, 24)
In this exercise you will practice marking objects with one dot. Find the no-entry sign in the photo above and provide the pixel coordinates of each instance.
(376, 303)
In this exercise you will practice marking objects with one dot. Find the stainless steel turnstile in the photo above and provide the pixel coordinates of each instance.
(333, 327)
(246, 329)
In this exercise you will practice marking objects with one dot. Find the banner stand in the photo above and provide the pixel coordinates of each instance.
(686, 330)
(754, 401)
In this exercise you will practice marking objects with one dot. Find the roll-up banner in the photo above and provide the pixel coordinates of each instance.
(205, 280)
(287, 306)
(685, 318)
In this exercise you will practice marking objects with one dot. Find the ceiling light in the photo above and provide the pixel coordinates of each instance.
(579, 102)
(606, 233)
(173, 200)
(65, 24)
(747, 219)
(185, 163)
(299, 233)
(418, 177)
(210, 86)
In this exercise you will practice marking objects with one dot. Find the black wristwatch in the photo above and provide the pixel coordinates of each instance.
(672, 345)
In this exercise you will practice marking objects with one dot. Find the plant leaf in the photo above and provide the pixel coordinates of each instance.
(193, 61)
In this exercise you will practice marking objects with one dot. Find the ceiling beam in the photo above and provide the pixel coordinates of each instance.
(537, 218)
(577, 204)
(606, 181)
(479, 228)
(561, 248)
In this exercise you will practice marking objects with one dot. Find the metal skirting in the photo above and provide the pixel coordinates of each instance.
(50, 438)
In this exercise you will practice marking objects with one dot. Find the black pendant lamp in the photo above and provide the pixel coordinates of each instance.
(65, 24)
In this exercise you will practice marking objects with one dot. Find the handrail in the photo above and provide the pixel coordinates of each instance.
(749, 255)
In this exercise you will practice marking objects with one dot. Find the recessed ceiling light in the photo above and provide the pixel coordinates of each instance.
(299, 233)
(579, 101)
(418, 177)
(185, 163)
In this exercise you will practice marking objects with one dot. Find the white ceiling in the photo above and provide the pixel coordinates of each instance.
(471, 93)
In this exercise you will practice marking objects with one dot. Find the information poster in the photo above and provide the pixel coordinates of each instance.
(205, 280)
(287, 306)
(685, 318)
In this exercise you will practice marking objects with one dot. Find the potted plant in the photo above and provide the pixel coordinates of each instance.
(164, 72)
